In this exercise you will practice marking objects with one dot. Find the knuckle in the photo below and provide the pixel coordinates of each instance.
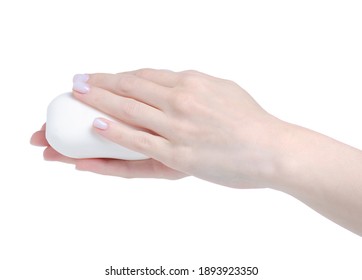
(125, 82)
(142, 142)
(131, 108)
(189, 78)
(194, 81)
(183, 102)
(190, 72)
(144, 72)
(118, 137)
(98, 78)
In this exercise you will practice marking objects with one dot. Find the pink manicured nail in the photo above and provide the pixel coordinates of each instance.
(80, 78)
(81, 87)
(98, 123)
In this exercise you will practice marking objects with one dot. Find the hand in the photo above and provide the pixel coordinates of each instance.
(126, 169)
(189, 121)
(195, 124)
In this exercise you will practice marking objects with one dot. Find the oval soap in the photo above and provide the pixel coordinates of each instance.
(69, 131)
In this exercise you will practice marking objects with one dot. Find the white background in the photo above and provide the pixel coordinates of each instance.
(301, 60)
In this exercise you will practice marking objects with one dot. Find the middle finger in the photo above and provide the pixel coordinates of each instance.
(125, 109)
(132, 86)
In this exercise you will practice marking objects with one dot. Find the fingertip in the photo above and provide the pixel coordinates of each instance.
(38, 139)
(48, 154)
(80, 78)
(32, 141)
(80, 166)
(100, 124)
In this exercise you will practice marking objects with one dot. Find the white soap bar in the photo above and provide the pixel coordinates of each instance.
(69, 131)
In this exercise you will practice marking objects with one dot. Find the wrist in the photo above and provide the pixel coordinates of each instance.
(298, 151)
(280, 158)
(263, 157)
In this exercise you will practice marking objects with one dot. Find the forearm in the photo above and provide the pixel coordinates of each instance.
(323, 173)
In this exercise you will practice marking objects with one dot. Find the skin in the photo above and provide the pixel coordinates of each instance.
(191, 123)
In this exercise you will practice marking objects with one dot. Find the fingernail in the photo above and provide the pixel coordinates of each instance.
(98, 123)
(80, 78)
(81, 87)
